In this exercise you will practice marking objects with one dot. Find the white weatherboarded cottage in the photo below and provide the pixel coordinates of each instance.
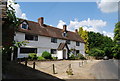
(42, 37)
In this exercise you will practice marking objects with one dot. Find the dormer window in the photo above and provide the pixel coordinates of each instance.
(24, 25)
(64, 34)
(77, 43)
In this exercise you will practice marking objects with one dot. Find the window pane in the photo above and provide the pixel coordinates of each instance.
(53, 51)
(77, 44)
(54, 40)
(31, 37)
(77, 51)
(28, 50)
(24, 26)
(36, 38)
(68, 41)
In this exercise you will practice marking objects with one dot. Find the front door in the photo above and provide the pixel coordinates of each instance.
(64, 54)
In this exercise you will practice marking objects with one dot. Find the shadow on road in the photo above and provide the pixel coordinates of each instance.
(15, 71)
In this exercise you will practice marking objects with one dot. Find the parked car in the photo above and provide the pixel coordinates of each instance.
(105, 58)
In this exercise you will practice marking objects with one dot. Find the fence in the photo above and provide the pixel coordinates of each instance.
(56, 68)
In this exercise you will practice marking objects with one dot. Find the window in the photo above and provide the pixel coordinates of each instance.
(31, 37)
(54, 40)
(64, 34)
(24, 25)
(77, 51)
(77, 43)
(28, 50)
(53, 51)
(68, 41)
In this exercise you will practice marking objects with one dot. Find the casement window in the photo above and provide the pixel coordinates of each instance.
(54, 40)
(53, 51)
(28, 50)
(31, 37)
(24, 25)
(68, 41)
(77, 43)
(77, 51)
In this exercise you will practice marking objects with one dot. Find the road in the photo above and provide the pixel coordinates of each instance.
(105, 69)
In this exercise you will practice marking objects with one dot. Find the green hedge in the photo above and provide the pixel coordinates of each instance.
(46, 55)
(40, 58)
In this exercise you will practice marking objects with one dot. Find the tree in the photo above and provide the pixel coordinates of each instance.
(116, 48)
(96, 53)
(117, 33)
(9, 27)
(97, 40)
(84, 35)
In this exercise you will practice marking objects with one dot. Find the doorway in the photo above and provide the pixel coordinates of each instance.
(64, 54)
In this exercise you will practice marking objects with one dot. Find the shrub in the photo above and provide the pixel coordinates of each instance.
(40, 58)
(54, 58)
(32, 56)
(80, 56)
(46, 55)
(72, 57)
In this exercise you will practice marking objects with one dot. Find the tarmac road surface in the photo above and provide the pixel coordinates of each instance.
(106, 69)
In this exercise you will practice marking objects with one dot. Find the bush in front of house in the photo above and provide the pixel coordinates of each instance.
(72, 57)
(40, 58)
(80, 56)
(77, 57)
(46, 55)
(32, 56)
(54, 58)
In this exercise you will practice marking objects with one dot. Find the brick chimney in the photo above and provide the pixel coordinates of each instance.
(64, 28)
(41, 21)
(76, 30)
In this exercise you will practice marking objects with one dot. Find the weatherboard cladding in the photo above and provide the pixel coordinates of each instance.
(49, 31)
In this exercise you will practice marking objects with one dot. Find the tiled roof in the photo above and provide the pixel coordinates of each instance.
(49, 31)
(61, 46)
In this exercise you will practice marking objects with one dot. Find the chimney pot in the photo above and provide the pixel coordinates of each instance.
(41, 21)
(64, 27)
(76, 30)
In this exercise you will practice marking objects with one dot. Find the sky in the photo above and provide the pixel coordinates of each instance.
(92, 16)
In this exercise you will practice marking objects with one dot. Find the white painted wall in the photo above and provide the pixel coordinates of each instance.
(45, 44)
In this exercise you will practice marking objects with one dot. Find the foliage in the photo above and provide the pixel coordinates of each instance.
(32, 56)
(108, 52)
(116, 48)
(54, 58)
(46, 55)
(72, 57)
(97, 40)
(96, 52)
(77, 57)
(80, 56)
(116, 51)
(11, 18)
(69, 71)
(40, 58)
(84, 35)
(11, 24)
(19, 44)
(117, 33)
